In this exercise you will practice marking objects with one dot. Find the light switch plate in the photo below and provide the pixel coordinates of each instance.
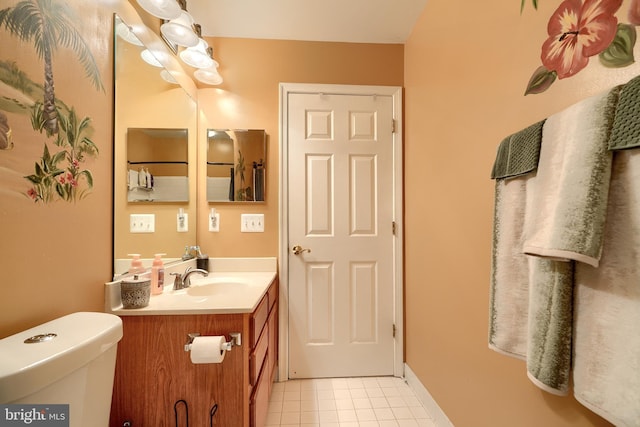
(142, 223)
(182, 222)
(252, 223)
(214, 222)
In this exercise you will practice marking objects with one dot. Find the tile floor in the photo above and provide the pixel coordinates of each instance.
(346, 402)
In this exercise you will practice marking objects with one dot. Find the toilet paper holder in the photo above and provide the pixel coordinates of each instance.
(236, 340)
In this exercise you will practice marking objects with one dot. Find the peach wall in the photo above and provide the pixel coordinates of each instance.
(249, 99)
(55, 259)
(466, 68)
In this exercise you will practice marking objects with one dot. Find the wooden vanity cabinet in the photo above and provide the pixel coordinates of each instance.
(156, 384)
(264, 327)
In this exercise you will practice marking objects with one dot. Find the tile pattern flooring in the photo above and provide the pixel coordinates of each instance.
(346, 402)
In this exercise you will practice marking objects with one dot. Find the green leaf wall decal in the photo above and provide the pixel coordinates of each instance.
(620, 51)
(540, 80)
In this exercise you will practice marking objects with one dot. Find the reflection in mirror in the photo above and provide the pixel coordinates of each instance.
(146, 100)
(236, 165)
(157, 165)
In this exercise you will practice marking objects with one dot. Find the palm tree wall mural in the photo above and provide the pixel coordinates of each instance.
(49, 26)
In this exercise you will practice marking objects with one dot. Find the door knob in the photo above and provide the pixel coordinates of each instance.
(297, 250)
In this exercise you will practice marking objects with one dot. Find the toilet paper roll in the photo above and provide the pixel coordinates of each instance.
(208, 349)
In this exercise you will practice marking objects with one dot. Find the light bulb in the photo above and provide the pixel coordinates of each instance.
(197, 55)
(208, 76)
(164, 9)
(180, 31)
(124, 32)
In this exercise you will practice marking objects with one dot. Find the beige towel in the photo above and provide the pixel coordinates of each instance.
(509, 289)
(573, 178)
(567, 222)
(515, 165)
(529, 296)
(607, 302)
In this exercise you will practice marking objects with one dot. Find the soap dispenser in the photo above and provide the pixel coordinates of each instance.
(136, 264)
(157, 275)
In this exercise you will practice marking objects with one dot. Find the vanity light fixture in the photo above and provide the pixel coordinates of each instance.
(180, 30)
(164, 9)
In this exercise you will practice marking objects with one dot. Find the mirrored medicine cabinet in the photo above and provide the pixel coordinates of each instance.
(157, 165)
(236, 165)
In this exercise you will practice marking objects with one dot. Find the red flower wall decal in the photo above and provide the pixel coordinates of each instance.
(578, 31)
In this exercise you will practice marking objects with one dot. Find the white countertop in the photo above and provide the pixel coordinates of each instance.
(234, 285)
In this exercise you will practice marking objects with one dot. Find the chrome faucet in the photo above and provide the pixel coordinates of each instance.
(191, 252)
(184, 280)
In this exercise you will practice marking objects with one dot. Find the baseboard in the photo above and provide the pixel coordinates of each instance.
(439, 417)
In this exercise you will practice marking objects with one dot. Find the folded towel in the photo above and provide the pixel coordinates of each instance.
(514, 171)
(573, 181)
(550, 319)
(518, 154)
(607, 306)
(530, 297)
(569, 209)
(509, 288)
(626, 124)
(132, 179)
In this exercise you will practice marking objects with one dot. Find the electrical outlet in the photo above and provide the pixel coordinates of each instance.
(183, 222)
(252, 223)
(214, 222)
(142, 223)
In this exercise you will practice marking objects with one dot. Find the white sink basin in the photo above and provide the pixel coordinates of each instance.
(219, 292)
(218, 286)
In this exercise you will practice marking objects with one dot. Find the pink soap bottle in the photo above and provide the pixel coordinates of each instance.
(136, 265)
(157, 275)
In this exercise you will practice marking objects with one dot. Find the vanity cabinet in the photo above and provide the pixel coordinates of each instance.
(157, 385)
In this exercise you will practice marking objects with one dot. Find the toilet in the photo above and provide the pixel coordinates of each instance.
(69, 360)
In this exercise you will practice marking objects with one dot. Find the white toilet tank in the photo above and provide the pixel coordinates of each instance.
(72, 361)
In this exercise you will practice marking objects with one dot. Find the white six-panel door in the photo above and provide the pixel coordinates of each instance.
(341, 283)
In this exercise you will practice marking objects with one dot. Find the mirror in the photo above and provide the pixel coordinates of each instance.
(236, 165)
(157, 162)
(150, 106)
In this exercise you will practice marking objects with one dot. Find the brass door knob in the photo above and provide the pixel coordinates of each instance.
(297, 250)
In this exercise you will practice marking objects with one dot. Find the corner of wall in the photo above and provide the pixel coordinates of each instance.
(440, 419)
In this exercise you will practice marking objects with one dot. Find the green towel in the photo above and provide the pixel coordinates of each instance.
(518, 154)
(625, 132)
(557, 214)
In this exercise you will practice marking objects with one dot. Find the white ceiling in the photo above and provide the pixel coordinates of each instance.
(358, 21)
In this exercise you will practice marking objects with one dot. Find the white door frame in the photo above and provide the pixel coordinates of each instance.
(283, 266)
